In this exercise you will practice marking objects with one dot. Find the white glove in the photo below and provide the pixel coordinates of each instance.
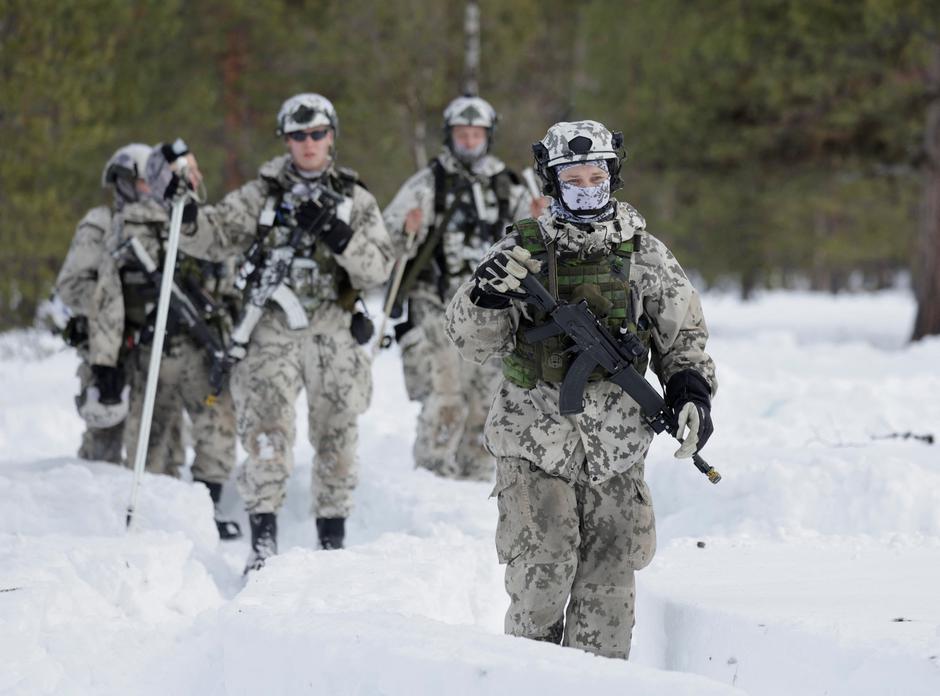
(344, 209)
(688, 418)
(99, 415)
(503, 272)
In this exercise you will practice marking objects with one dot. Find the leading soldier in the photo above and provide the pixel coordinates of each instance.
(575, 514)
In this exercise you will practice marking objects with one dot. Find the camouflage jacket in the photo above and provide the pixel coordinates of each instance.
(462, 252)
(609, 434)
(228, 228)
(75, 284)
(117, 309)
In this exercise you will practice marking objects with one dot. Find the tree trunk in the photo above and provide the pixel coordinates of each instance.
(233, 65)
(471, 30)
(927, 263)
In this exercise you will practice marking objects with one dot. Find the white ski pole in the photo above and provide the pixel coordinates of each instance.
(156, 348)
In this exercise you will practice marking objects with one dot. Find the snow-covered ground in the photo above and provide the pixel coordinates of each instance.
(812, 568)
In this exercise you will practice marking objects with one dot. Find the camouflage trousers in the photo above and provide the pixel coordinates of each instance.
(455, 397)
(98, 444)
(336, 374)
(183, 384)
(576, 544)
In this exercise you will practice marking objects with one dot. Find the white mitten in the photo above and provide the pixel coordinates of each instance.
(688, 418)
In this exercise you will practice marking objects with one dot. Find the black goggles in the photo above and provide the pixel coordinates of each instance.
(301, 136)
(119, 171)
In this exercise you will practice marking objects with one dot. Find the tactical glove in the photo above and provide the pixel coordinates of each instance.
(104, 403)
(316, 219)
(689, 397)
(75, 332)
(499, 276)
(110, 383)
(310, 216)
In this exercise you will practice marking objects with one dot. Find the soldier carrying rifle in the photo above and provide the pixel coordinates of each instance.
(575, 514)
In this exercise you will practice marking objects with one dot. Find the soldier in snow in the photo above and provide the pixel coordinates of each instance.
(575, 514)
(121, 323)
(312, 239)
(103, 399)
(444, 219)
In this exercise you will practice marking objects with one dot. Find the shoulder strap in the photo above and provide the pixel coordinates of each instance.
(349, 179)
(502, 184)
(530, 235)
(440, 186)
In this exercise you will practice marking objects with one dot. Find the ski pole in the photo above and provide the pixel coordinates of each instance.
(156, 349)
(393, 293)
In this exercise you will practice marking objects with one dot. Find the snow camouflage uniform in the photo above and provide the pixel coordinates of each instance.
(455, 394)
(75, 286)
(123, 299)
(322, 358)
(575, 514)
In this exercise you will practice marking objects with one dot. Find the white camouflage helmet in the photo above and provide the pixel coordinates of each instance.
(307, 110)
(123, 169)
(578, 141)
(130, 160)
(470, 111)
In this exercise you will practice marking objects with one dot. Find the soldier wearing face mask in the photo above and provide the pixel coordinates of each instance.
(444, 219)
(575, 514)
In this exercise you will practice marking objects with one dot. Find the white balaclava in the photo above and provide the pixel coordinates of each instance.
(470, 155)
(582, 203)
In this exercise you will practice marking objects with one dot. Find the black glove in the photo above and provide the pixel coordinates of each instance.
(361, 328)
(337, 235)
(110, 383)
(173, 151)
(688, 386)
(311, 216)
(322, 221)
(499, 276)
(75, 332)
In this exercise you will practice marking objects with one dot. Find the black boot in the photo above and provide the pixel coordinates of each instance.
(228, 529)
(331, 531)
(263, 539)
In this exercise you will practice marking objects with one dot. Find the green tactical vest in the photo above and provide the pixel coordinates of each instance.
(602, 280)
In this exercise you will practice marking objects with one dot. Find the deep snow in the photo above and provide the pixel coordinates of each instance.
(818, 575)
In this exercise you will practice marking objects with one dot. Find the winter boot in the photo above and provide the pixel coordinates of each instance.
(331, 531)
(263, 539)
(228, 529)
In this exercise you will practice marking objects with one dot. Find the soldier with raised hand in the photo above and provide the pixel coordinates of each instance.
(121, 324)
(102, 401)
(312, 239)
(575, 514)
(443, 219)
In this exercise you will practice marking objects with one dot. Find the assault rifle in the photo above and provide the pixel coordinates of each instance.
(190, 306)
(595, 346)
(262, 274)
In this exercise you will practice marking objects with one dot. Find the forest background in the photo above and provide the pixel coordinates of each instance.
(772, 143)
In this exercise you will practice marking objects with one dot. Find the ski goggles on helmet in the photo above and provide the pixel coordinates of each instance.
(301, 136)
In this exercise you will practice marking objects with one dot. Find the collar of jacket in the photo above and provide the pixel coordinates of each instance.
(484, 168)
(586, 239)
(145, 211)
(281, 171)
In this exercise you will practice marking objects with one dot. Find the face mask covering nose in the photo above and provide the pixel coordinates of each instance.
(589, 199)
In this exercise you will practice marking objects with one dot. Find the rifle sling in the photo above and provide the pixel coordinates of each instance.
(414, 267)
